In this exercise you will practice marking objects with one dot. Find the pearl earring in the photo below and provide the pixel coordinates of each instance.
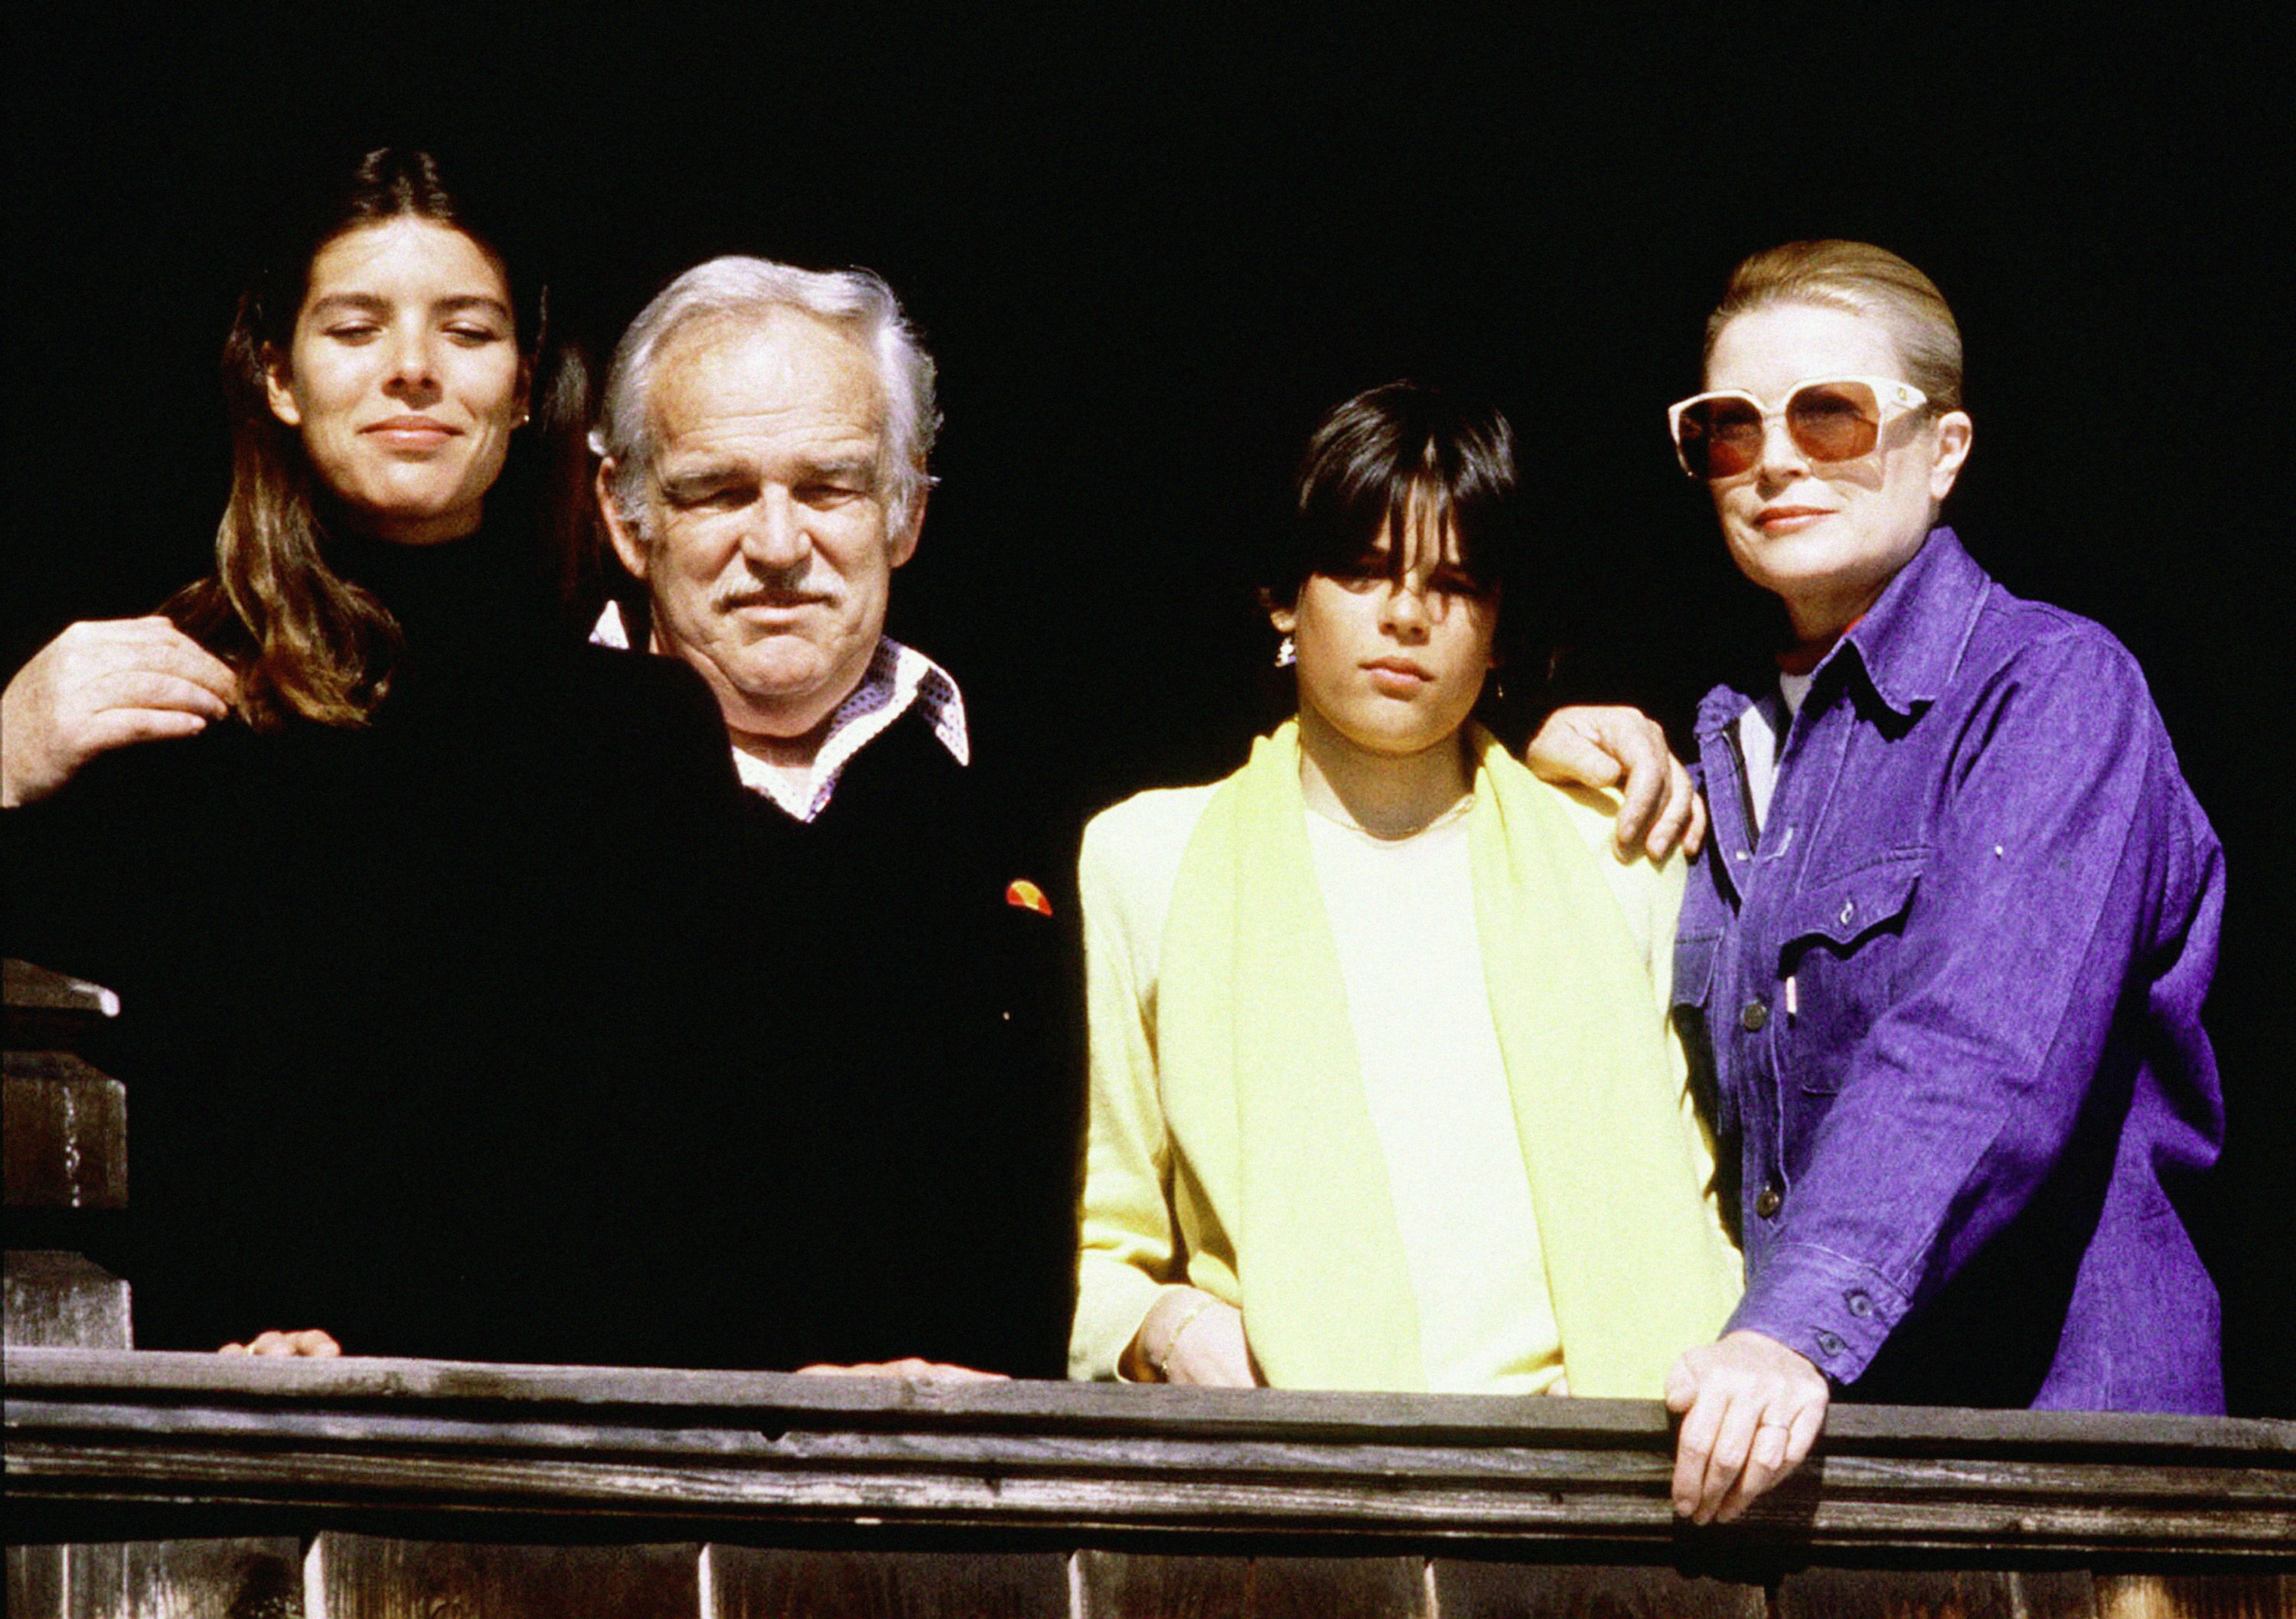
(1286, 654)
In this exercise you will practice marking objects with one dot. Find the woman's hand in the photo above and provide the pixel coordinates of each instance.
(1751, 1409)
(101, 685)
(911, 1367)
(315, 1344)
(1623, 748)
(1190, 1336)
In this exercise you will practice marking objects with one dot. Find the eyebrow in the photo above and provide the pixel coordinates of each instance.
(368, 303)
(714, 473)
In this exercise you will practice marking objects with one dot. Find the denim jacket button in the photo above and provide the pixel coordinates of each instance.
(1752, 1015)
(1831, 1344)
(1767, 1201)
(1848, 910)
(1860, 1305)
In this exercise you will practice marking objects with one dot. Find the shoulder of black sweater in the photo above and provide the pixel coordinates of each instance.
(658, 702)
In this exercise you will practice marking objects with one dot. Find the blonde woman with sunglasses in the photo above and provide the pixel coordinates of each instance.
(1944, 954)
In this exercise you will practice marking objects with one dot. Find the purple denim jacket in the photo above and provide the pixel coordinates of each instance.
(1950, 1006)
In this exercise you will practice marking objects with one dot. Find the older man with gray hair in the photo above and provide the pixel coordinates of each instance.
(901, 1011)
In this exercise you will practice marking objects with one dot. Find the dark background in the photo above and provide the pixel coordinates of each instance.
(1148, 249)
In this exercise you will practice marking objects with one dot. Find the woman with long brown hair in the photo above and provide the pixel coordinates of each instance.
(385, 905)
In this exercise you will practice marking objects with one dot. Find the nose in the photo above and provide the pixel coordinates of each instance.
(1404, 613)
(414, 370)
(1782, 459)
(776, 540)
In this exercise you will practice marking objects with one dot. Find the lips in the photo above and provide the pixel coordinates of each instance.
(1398, 674)
(1788, 519)
(777, 601)
(411, 432)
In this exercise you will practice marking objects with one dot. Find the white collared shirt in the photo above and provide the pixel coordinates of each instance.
(896, 678)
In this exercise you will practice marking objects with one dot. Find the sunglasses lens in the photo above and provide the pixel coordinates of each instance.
(1834, 421)
(1720, 437)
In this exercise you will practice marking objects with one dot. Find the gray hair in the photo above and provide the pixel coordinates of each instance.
(856, 302)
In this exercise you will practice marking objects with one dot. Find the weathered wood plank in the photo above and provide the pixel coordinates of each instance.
(208, 1578)
(2257, 1596)
(1532, 1591)
(190, 1579)
(41, 1010)
(688, 1451)
(1119, 1585)
(1103, 1409)
(62, 1301)
(752, 1582)
(37, 1580)
(65, 1133)
(1922, 1593)
(372, 1577)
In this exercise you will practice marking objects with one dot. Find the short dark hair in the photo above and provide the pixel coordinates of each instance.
(1375, 458)
(1377, 455)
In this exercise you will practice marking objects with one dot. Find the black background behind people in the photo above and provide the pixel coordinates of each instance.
(1146, 261)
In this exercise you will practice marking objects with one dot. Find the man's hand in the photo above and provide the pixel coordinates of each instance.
(911, 1367)
(1190, 1336)
(102, 685)
(315, 1344)
(1623, 748)
(1751, 1409)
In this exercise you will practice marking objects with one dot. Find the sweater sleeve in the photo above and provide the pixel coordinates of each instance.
(1128, 1245)
(1649, 900)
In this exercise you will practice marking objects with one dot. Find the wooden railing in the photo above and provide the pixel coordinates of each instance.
(152, 1484)
(188, 1483)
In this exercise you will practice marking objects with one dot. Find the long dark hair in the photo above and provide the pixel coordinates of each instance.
(305, 641)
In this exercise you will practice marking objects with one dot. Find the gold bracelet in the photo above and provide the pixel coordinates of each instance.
(1172, 1341)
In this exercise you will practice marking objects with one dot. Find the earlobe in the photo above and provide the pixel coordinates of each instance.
(905, 544)
(1955, 431)
(276, 391)
(627, 545)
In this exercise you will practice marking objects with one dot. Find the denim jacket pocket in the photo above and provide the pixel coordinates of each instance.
(1837, 953)
(1693, 969)
(1693, 988)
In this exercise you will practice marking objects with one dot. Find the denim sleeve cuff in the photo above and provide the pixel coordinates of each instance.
(1832, 1309)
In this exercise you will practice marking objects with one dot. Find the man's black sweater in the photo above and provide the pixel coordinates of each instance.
(910, 1030)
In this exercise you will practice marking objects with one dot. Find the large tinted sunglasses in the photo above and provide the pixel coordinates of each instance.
(1834, 418)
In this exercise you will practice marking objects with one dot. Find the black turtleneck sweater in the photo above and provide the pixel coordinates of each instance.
(406, 1008)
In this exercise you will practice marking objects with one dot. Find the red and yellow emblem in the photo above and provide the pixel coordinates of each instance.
(1027, 896)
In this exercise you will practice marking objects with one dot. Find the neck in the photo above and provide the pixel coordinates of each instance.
(794, 755)
(1389, 796)
(1819, 624)
(416, 530)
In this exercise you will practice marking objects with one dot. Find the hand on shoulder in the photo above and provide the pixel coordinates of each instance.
(1623, 748)
(101, 685)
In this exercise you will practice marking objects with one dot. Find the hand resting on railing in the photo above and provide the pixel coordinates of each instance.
(1751, 1409)
(315, 1344)
(909, 1367)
